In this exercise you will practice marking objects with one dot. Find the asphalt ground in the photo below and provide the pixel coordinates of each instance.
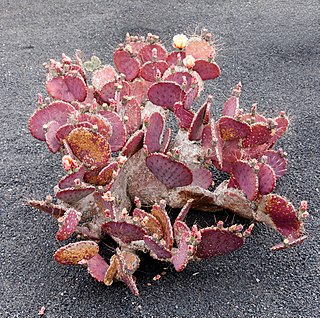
(271, 46)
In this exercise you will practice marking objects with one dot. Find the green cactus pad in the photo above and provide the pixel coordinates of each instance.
(73, 253)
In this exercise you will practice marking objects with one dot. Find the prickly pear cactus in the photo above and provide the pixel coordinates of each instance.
(124, 166)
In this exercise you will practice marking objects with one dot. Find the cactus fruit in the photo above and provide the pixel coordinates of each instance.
(125, 168)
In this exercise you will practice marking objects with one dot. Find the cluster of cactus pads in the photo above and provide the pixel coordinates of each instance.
(125, 167)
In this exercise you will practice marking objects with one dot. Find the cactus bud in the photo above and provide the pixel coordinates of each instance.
(68, 163)
(189, 61)
(220, 224)
(154, 55)
(49, 198)
(179, 41)
(304, 206)
(121, 160)
(137, 202)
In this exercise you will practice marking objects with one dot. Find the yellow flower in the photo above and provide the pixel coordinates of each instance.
(179, 41)
(189, 61)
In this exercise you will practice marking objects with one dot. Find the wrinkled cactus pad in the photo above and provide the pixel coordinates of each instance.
(73, 253)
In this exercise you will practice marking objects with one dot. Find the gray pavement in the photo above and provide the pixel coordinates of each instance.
(271, 46)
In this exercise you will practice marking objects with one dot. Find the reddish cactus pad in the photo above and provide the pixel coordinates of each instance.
(267, 179)
(118, 137)
(70, 222)
(200, 49)
(124, 231)
(230, 106)
(89, 147)
(149, 223)
(97, 267)
(68, 181)
(202, 177)
(277, 161)
(56, 111)
(215, 242)
(196, 129)
(147, 52)
(282, 214)
(54, 210)
(231, 129)
(73, 253)
(180, 259)
(52, 142)
(159, 250)
(161, 215)
(150, 71)
(106, 175)
(67, 88)
(207, 70)
(171, 173)
(72, 195)
(134, 143)
(183, 115)
(246, 178)
(127, 65)
(165, 94)
(154, 132)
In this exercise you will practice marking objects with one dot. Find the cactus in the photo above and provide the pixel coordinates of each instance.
(125, 169)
